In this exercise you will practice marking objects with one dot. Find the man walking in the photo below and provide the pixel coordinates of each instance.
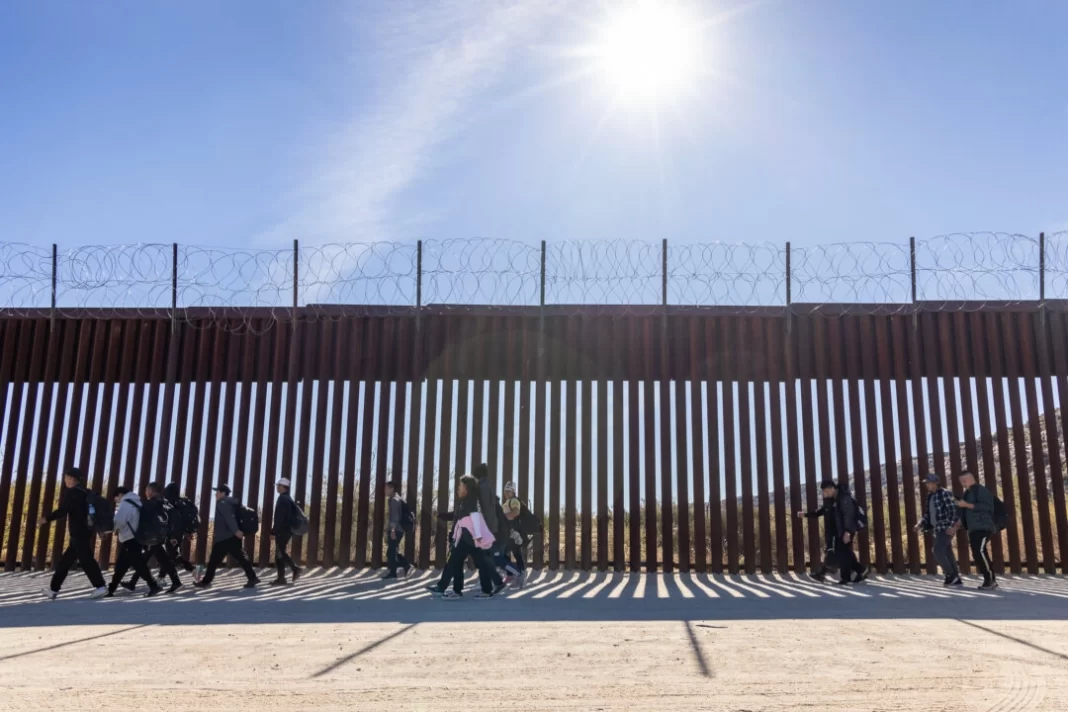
(226, 539)
(941, 516)
(131, 553)
(977, 508)
(154, 498)
(849, 569)
(395, 533)
(282, 529)
(74, 505)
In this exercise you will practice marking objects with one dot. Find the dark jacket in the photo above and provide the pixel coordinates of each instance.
(947, 513)
(225, 520)
(830, 524)
(172, 493)
(74, 505)
(845, 512)
(282, 523)
(981, 518)
(488, 503)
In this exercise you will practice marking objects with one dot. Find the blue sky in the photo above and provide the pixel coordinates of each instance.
(251, 123)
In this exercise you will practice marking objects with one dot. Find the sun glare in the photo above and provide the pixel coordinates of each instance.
(648, 52)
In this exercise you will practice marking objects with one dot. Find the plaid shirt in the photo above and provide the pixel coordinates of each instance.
(946, 512)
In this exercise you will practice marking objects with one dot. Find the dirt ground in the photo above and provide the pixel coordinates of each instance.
(344, 641)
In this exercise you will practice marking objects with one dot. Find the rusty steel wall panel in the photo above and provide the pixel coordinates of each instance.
(836, 351)
(1028, 359)
(1001, 427)
(680, 347)
(964, 388)
(745, 442)
(348, 489)
(209, 348)
(135, 477)
(308, 335)
(979, 357)
(929, 344)
(812, 477)
(328, 519)
(713, 336)
(367, 445)
(385, 399)
(820, 350)
(466, 328)
(761, 439)
(541, 356)
(325, 333)
(555, 393)
(728, 356)
(220, 358)
(634, 497)
(444, 447)
(586, 476)
(1053, 333)
(792, 451)
(667, 527)
(263, 479)
(776, 367)
(1013, 357)
(949, 395)
(649, 413)
(238, 348)
(24, 348)
(698, 350)
(42, 348)
(124, 377)
(604, 507)
(257, 369)
(893, 496)
(870, 386)
(415, 419)
(570, 451)
(64, 345)
(899, 360)
(402, 355)
(854, 371)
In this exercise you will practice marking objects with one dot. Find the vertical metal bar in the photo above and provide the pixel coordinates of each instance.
(912, 267)
(715, 375)
(237, 353)
(994, 340)
(789, 291)
(33, 386)
(210, 354)
(949, 396)
(105, 432)
(792, 451)
(1054, 434)
(353, 364)
(479, 345)
(822, 349)
(122, 381)
(983, 372)
(934, 415)
(445, 474)
(604, 505)
(893, 497)
(174, 287)
(904, 434)
(386, 358)
(300, 414)
(1011, 341)
(468, 329)
(325, 334)
(730, 441)
(400, 371)
(253, 371)
(698, 365)
(1042, 268)
(586, 474)
(523, 452)
(649, 414)
(265, 479)
(679, 346)
(334, 473)
(743, 368)
(541, 372)
(516, 372)
(426, 522)
(556, 392)
(836, 343)
(136, 477)
(570, 445)
(55, 276)
(634, 361)
(776, 351)
(616, 342)
(415, 420)
(662, 375)
(808, 432)
(367, 445)
(221, 357)
(855, 373)
(869, 386)
(296, 275)
(418, 277)
(760, 431)
(1027, 324)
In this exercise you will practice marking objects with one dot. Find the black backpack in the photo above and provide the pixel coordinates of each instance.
(527, 523)
(152, 524)
(1001, 515)
(300, 524)
(860, 516)
(101, 517)
(248, 520)
(185, 518)
(407, 517)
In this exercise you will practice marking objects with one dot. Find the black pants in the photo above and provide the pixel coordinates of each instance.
(394, 558)
(219, 550)
(173, 547)
(454, 569)
(979, 542)
(80, 550)
(165, 561)
(281, 554)
(847, 560)
(131, 555)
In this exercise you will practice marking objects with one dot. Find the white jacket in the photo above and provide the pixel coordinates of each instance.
(128, 517)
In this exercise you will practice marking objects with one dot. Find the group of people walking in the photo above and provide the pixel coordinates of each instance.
(944, 514)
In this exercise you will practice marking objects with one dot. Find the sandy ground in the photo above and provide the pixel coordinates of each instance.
(344, 641)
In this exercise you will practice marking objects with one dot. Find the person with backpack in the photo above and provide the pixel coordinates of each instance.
(511, 555)
(830, 534)
(848, 520)
(399, 522)
(942, 516)
(285, 517)
(489, 505)
(128, 524)
(155, 505)
(180, 525)
(978, 508)
(188, 519)
(472, 537)
(74, 504)
(226, 539)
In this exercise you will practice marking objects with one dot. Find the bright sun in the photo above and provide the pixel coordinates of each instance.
(649, 52)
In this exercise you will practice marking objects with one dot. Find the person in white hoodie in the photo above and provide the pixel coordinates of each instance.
(131, 553)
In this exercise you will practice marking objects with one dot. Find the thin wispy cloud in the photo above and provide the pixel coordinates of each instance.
(449, 53)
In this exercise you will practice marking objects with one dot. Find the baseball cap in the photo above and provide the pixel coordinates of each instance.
(510, 487)
(222, 488)
(284, 482)
(932, 477)
(827, 483)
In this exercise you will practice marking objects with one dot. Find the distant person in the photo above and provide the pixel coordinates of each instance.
(154, 494)
(285, 510)
(489, 505)
(942, 517)
(395, 533)
(830, 534)
(977, 508)
(510, 557)
(74, 505)
(172, 493)
(226, 539)
(131, 553)
(846, 522)
(470, 537)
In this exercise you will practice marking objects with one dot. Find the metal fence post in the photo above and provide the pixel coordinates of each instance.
(296, 274)
(664, 291)
(174, 287)
(1042, 287)
(55, 269)
(789, 289)
(912, 271)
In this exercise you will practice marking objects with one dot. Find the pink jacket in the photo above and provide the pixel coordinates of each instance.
(476, 527)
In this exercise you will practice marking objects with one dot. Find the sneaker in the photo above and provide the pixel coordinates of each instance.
(863, 575)
(840, 582)
(819, 577)
(279, 582)
(435, 590)
(407, 569)
(201, 584)
(296, 574)
(49, 593)
(174, 587)
(988, 586)
(252, 583)
(389, 576)
(153, 591)
(955, 582)
(451, 595)
(521, 580)
(129, 585)
(484, 594)
(99, 593)
(499, 587)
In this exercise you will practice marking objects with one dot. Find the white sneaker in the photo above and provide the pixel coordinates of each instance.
(49, 593)
(99, 593)
(521, 580)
